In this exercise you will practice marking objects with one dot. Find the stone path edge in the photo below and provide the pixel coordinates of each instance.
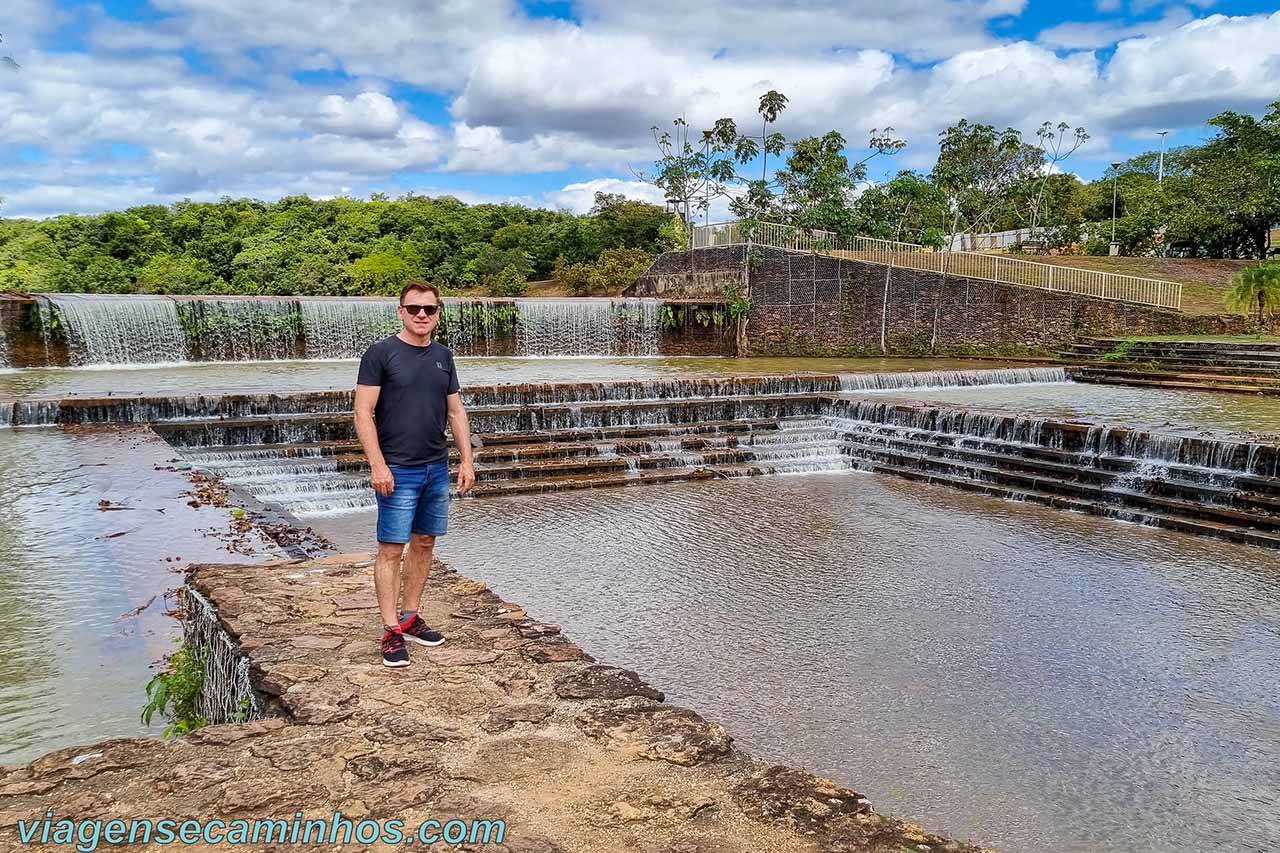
(508, 719)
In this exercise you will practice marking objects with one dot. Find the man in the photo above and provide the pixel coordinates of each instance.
(406, 388)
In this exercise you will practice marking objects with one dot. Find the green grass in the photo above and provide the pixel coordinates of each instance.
(1273, 339)
(1205, 281)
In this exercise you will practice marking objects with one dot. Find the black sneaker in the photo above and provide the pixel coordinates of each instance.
(417, 631)
(393, 651)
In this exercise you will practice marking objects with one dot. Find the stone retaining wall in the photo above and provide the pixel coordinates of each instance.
(816, 305)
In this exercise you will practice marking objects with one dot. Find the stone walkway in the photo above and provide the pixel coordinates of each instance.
(508, 720)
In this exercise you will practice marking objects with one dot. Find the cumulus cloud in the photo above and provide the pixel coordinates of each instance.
(579, 197)
(529, 95)
(368, 114)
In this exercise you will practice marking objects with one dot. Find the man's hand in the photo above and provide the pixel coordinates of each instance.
(383, 482)
(466, 477)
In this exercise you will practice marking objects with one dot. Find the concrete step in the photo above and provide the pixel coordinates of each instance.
(492, 422)
(1236, 385)
(1100, 508)
(1009, 476)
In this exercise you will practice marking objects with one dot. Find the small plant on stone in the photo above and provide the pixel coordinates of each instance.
(174, 693)
(669, 316)
(1122, 351)
(739, 307)
(241, 714)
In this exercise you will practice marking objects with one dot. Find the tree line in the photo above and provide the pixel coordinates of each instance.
(1217, 199)
(342, 246)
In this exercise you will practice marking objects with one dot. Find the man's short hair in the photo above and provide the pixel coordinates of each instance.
(423, 286)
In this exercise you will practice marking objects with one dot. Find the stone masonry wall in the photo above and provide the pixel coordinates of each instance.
(815, 305)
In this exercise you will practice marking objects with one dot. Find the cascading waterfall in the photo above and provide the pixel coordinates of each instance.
(120, 329)
(587, 327)
(1091, 444)
(950, 378)
(478, 327)
(231, 329)
(345, 328)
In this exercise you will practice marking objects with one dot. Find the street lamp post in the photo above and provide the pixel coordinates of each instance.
(1163, 134)
(1115, 173)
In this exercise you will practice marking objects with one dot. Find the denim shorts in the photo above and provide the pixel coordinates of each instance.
(418, 503)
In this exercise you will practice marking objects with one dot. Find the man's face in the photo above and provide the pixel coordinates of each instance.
(427, 315)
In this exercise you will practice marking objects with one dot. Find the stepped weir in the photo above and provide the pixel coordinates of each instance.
(299, 451)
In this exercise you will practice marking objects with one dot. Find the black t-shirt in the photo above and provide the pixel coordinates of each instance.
(411, 408)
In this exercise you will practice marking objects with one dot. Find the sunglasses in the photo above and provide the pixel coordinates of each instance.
(414, 309)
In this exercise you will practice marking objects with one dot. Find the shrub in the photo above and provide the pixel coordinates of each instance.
(509, 282)
(612, 273)
(175, 691)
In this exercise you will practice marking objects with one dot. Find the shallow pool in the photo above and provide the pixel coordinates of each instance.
(1019, 676)
(285, 376)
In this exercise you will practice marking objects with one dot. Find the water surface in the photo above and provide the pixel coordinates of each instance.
(286, 376)
(74, 657)
(1161, 409)
(1018, 676)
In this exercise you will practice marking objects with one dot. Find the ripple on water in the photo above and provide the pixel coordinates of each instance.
(1021, 676)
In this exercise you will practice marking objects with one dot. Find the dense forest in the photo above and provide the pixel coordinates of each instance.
(1217, 199)
(342, 246)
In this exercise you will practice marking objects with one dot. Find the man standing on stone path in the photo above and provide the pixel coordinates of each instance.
(406, 388)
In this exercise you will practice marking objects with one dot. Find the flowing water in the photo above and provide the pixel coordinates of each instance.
(74, 654)
(120, 330)
(129, 330)
(578, 327)
(1164, 409)
(285, 376)
(1023, 677)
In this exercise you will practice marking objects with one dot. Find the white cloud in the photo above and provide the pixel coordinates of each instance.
(579, 197)
(368, 114)
(1077, 35)
(528, 95)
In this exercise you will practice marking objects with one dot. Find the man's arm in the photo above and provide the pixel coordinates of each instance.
(367, 431)
(460, 426)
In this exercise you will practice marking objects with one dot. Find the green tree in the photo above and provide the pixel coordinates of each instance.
(623, 223)
(508, 283)
(380, 274)
(616, 270)
(978, 169)
(165, 273)
(909, 208)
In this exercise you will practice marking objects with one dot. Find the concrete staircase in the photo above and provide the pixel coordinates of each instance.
(1242, 367)
(1193, 485)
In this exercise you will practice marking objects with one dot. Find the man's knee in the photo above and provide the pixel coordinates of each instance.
(422, 541)
(390, 550)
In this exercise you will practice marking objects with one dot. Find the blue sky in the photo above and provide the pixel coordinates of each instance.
(544, 102)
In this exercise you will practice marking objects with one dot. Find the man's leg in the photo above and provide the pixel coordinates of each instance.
(417, 568)
(395, 521)
(431, 519)
(386, 581)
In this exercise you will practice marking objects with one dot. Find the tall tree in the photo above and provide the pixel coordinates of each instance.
(978, 169)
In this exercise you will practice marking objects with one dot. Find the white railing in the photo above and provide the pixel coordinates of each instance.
(997, 268)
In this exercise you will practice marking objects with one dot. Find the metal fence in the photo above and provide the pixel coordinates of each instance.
(997, 268)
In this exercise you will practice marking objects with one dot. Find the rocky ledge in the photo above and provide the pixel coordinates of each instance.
(508, 719)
